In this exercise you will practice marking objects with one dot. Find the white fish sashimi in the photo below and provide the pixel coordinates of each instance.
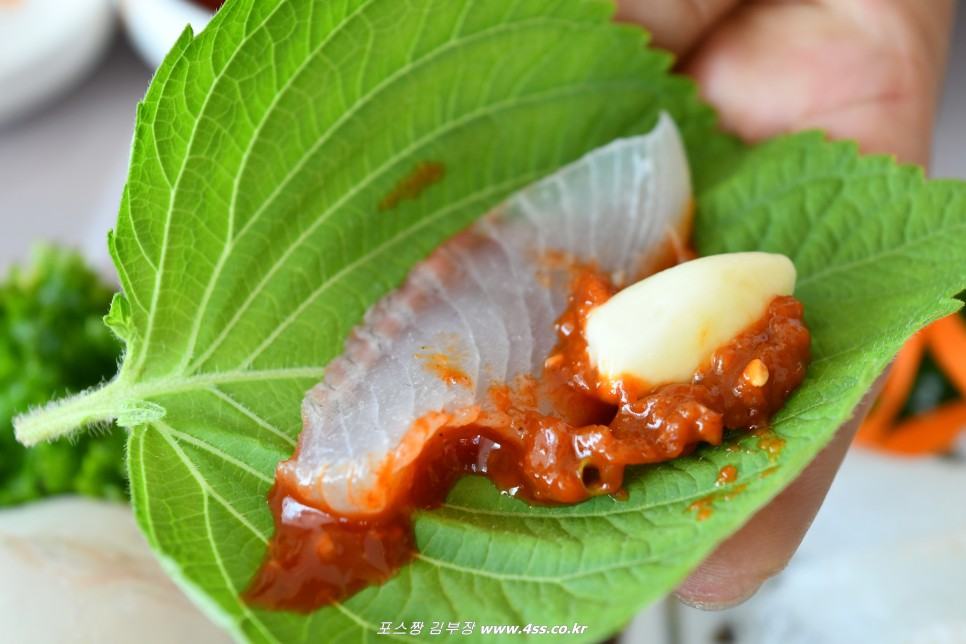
(484, 305)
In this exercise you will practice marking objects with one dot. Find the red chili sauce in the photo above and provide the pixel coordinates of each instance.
(599, 428)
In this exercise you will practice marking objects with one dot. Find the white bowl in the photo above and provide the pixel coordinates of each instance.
(46, 46)
(153, 26)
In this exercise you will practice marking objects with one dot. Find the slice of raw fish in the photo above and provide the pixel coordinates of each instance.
(478, 312)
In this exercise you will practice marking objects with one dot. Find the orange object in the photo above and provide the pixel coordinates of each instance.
(933, 432)
(947, 344)
(894, 394)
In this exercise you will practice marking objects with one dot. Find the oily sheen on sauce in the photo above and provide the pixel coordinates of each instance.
(598, 427)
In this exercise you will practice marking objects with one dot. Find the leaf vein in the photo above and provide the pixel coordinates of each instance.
(155, 295)
(372, 176)
(264, 424)
(167, 432)
(242, 166)
(364, 259)
(215, 451)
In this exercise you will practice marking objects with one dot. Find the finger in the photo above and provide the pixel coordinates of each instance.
(763, 547)
(674, 24)
(868, 71)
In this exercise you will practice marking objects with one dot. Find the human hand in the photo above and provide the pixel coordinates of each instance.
(868, 70)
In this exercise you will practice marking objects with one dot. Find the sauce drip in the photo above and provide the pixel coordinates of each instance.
(703, 508)
(598, 428)
(728, 474)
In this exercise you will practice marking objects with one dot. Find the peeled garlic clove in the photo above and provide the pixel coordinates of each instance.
(661, 329)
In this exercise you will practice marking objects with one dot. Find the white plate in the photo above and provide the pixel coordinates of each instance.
(46, 46)
(78, 570)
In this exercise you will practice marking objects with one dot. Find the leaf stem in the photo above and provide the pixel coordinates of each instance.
(132, 404)
(62, 417)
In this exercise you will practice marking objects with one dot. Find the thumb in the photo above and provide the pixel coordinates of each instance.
(763, 547)
(676, 25)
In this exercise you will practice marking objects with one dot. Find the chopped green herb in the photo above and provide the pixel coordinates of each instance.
(52, 342)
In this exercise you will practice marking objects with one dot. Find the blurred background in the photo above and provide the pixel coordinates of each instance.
(885, 560)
